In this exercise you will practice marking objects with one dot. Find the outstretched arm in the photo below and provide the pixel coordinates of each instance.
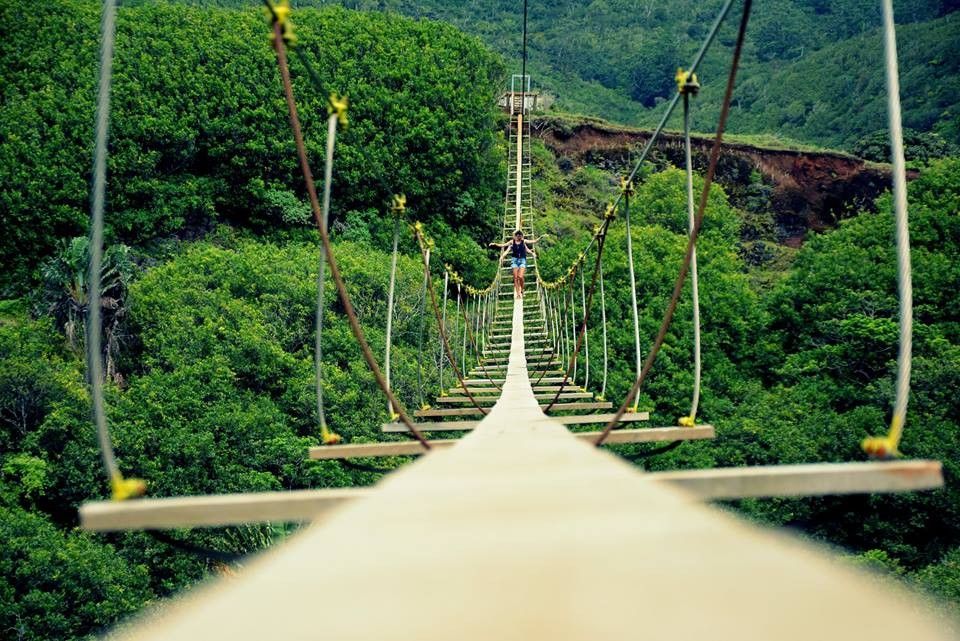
(534, 241)
(500, 245)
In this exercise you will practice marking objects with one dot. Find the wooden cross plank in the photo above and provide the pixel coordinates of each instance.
(488, 399)
(808, 480)
(571, 419)
(298, 506)
(472, 411)
(213, 511)
(410, 448)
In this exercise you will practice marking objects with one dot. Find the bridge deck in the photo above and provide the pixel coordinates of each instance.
(523, 531)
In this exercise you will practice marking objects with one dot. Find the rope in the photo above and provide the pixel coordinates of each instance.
(603, 323)
(581, 334)
(418, 231)
(443, 322)
(327, 437)
(889, 445)
(691, 419)
(561, 339)
(120, 487)
(423, 305)
(337, 114)
(456, 329)
(626, 188)
(681, 277)
(397, 208)
(586, 333)
(523, 74)
(469, 333)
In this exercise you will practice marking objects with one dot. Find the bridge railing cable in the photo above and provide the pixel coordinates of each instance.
(694, 233)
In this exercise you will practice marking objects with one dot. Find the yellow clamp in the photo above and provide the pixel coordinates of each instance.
(880, 447)
(687, 421)
(626, 186)
(393, 417)
(687, 82)
(399, 204)
(610, 212)
(338, 105)
(280, 14)
(885, 446)
(328, 437)
(122, 489)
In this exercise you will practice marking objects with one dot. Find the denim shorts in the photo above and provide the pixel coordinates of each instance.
(516, 263)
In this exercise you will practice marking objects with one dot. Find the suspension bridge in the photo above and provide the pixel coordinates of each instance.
(521, 528)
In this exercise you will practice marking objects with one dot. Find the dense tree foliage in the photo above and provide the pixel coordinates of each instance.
(199, 128)
(812, 69)
(211, 269)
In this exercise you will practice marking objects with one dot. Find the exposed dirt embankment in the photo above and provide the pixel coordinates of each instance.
(808, 189)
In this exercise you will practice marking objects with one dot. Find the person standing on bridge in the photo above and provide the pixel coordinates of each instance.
(519, 248)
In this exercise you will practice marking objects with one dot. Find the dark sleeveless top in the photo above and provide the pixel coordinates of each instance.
(519, 251)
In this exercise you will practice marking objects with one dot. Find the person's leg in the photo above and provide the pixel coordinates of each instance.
(516, 281)
(521, 271)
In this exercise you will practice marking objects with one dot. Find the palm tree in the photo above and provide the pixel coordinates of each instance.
(65, 278)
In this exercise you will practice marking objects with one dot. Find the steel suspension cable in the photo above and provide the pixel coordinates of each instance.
(423, 309)
(443, 333)
(337, 113)
(697, 59)
(586, 332)
(397, 208)
(582, 331)
(685, 266)
(603, 323)
(691, 419)
(120, 488)
(443, 321)
(626, 190)
(889, 445)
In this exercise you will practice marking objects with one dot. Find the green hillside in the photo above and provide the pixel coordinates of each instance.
(212, 261)
(812, 68)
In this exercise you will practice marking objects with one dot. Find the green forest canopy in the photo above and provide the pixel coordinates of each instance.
(211, 389)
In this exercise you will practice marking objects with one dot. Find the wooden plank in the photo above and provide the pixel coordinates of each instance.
(487, 399)
(472, 411)
(572, 419)
(360, 450)
(540, 389)
(412, 448)
(808, 480)
(309, 505)
(213, 511)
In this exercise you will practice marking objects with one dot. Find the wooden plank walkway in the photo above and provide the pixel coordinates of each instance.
(524, 532)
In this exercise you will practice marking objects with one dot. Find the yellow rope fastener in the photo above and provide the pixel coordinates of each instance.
(399, 204)
(122, 489)
(338, 105)
(626, 185)
(610, 212)
(280, 14)
(687, 82)
(687, 421)
(884, 446)
(328, 437)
